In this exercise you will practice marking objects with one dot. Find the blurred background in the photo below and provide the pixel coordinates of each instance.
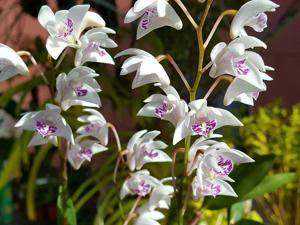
(28, 186)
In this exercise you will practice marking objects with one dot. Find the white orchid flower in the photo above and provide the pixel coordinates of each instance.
(11, 63)
(252, 14)
(96, 126)
(83, 150)
(65, 26)
(78, 88)
(160, 197)
(47, 124)
(168, 107)
(148, 69)
(215, 157)
(154, 14)
(245, 66)
(206, 186)
(203, 120)
(147, 217)
(140, 183)
(92, 47)
(143, 149)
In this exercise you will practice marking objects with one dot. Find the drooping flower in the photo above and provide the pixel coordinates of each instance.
(206, 186)
(168, 107)
(92, 47)
(140, 183)
(147, 217)
(11, 63)
(78, 88)
(83, 150)
(214, 157)
(47, 124)
(65, 26)
(252, 14)
(143, 149)
(148, 69)
(203, 120)
(154, 14)
(160, 197)
(96, 126)
(247, 67)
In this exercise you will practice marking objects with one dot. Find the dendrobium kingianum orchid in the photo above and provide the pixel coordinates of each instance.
(79, 87)
(252, 14)
(213, 162)
(93, 44)
(142, 149)
(168, 107)
(207, 163)
(47, 125)
(203, 120)
(154, 14)
(148, 69)
(83, 150)
(11, 63)
(247, 68)
(95, 126)
(65, 28)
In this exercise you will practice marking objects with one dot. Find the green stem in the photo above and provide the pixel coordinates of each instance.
(193, 93)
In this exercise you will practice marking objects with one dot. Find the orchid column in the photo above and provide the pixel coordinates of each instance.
(208, 163)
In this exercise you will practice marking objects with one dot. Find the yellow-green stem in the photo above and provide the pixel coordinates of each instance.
(193, 93)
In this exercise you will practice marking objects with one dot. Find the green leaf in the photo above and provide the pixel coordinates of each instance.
(249, 222)
(14, 161)
(270, 184)
(247, 177)
(31, 184)
(69, 213)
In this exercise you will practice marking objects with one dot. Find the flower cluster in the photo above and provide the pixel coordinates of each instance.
(212, 160)
(67, 28)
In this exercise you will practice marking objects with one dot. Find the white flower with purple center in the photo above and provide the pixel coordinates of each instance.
(143, 149)
(66, 26)
(93, 44)
(160, 196)
(11, 63)
(140, 183)
(203, 120)
(47, 124)
(165, 107)
(205, 186)
(251, 14)
(214, 158)
(247, 68)
(154, 14)
(83, 150)
(148, 69)
(95, 126)
(79, 87)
